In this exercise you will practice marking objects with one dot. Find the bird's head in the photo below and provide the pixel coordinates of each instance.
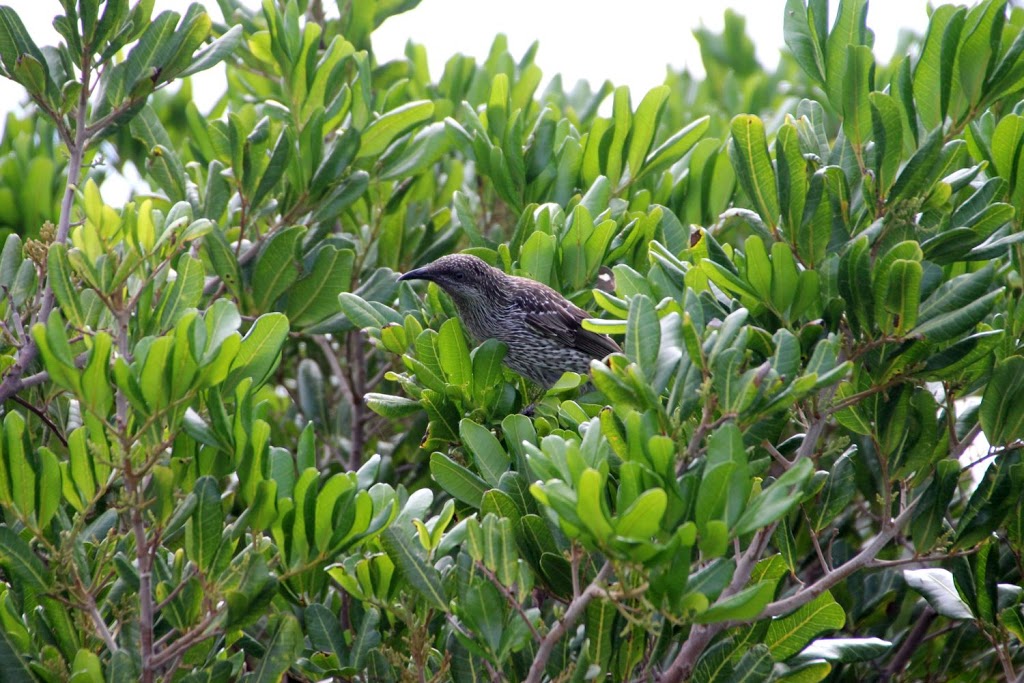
(463, 276)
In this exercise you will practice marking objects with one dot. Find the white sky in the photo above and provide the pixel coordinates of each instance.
(629, 43)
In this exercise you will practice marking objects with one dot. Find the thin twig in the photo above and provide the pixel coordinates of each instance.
(182, 583)
(776, 455)
(199, 633)
(97, 619)
(42, 416)
(966, 442)
(817, 546)
(357, 377)
(510, 598)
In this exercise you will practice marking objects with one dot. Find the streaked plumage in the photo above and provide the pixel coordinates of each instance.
(540, 327)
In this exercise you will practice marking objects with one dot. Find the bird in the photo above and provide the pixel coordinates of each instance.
(541, 328)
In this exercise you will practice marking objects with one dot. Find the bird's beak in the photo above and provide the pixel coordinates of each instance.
(417, 274)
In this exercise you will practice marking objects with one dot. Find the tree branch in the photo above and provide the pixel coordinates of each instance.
(187, 640)
(576, 609)
(702, 634)
(97, 618)
(144, 558)
(909, 645)
(12, 382)
(357, 375)
(859, 561)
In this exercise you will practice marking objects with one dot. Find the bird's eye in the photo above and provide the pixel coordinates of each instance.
(459, 275)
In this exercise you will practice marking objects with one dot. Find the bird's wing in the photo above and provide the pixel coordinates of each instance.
(560, 319)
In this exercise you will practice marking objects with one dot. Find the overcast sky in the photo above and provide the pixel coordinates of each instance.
(629, 43)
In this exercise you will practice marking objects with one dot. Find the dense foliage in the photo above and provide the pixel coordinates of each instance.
(234, 447)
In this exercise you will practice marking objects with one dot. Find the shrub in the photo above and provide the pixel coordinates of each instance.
(235, 447)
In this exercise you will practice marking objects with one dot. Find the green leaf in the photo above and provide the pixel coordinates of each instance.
(363, 314)
(382, 131)
(277, 267)
(458, 481)
(979, 47)
(214, 53)
(643, 335)
(791, 168)
(755, 665)
(59, 271)
(20, 470)
(846, 650)
(725, 485)
(848, 30)
(990, 502)
(422, 577)
(162, 160)
(855, 284)
(590, 504)
(938, 588)
(918, 171)
(97, 394)
(749, 154)
(203, 529)
(387, 405)
(86, 668)
(342, 196)
(600, 630)
(929, 517)
(281, 651)
(675, 147)
(274, 170)
(426, 148)
(185, 292)
(642, 519)
(887, 127)
(324, 630)
(490, 458)
(453, 354)
(315, 296)
(18, 559)
(858, 84)
(839, 490)
(759, 270)
(487, 369)
(367, 639)
(340, 154)
(904, 295)
(933, 75)
(644, 125)
(1002, 405)
(14, 666)
(538, 256)
(612, 146)
(803, 40)
(742, 606)
(49, 480)
(15, 42)
(776, 500)
(259, 350)
(790, 634)
(814, 227)
(945, 326)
